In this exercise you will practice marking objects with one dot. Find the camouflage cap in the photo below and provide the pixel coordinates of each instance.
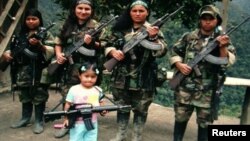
(211, 10)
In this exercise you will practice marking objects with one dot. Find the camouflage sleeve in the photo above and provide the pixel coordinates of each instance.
(112, 42)
(49, 45)
(164, 47)
(231, 55)
(177, 53)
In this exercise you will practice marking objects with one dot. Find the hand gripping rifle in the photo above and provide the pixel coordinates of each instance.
(80, 45)
(139, 38)
(179, 77)
(84, 112)
(21, 46)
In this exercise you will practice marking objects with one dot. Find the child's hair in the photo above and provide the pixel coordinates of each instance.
(88, 66)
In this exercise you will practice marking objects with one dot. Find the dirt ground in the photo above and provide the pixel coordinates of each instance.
(159, 126)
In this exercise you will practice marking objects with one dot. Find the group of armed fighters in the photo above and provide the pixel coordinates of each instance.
(76, 57)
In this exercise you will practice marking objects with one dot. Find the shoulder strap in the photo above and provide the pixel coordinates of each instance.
(101, 94)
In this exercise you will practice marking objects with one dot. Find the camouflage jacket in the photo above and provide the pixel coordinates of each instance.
(71, 73)
(187, 48)
(26, 70)
(138, 69)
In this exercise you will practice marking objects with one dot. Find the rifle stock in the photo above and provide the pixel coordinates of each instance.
(110, 64)
(52, 67)
(4, 65)
(179, 77)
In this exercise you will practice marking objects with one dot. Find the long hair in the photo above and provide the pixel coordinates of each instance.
(125, 22)
(72, 22)
(30, 12)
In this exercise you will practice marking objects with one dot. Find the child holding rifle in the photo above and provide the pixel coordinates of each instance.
(80, 20)
(85, 127)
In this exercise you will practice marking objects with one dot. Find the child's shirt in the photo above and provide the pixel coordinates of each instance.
(81, 96)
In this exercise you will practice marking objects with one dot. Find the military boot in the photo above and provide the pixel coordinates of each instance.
(179, 130)
(138, 126)
(122, 120)
(26, 116)
(39, 109)
(202, 134)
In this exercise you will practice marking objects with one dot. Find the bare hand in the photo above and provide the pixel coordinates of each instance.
(152, 31)
(34, 41)
(7, 56)
(223, 40)
(183, 68)
(65, 123)
(87, 39)
(60, 59)
(117, 54)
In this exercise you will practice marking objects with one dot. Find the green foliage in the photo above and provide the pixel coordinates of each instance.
(158, 7)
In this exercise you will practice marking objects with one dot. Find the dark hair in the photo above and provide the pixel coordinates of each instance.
(31, 12)
(125, 22)
(88, 66)
(71, 22)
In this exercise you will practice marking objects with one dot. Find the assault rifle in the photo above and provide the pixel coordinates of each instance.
(84, 112)
(139, 38)
(215, 102)
(79, 45)
(178, 76)
(21, 46)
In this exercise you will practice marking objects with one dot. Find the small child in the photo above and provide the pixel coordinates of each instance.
(85, 127)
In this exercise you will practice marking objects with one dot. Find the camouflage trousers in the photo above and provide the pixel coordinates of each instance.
(139, 100)
(36, 95)
(183, 112)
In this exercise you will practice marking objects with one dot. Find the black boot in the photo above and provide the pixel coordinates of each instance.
(63, 131)
(122, 120)
(202, 134)
(179, 130)
(26, 115)
(138, 126)
(39, 109)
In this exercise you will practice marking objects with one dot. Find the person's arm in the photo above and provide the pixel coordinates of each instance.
(226, 49)
(66, 108)
(177, 55)
(156, 36)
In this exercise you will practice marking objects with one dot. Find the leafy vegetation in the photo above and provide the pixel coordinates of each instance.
(232, 97)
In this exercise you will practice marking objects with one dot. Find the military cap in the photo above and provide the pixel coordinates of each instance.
(211, 10)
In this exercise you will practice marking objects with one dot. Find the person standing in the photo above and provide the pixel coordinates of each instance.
(28, 69)
(76, 27)
(196, 90)
(85, 127)
(134, 77)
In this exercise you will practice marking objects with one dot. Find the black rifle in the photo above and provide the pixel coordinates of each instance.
(21, 46)
(79, 44)
(178, 76)
(84, 112)
(111, 63)
(215, 102)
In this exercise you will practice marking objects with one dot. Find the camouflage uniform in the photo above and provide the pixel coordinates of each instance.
(69, 75)
(30, 76)
(134, 81)
(195, 91)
